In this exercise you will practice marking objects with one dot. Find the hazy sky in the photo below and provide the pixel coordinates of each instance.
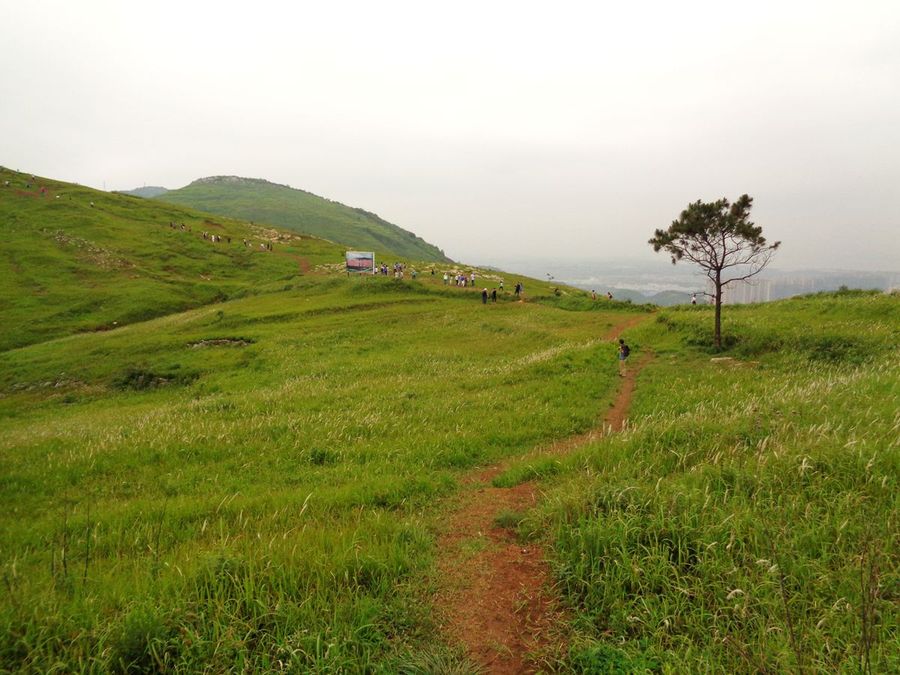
(491, 129)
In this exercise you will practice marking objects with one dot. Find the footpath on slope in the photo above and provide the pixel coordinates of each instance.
(495, 597)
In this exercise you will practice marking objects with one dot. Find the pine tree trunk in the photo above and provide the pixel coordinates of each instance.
(718, 332)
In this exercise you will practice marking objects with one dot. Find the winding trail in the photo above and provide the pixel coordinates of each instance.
(495, 592)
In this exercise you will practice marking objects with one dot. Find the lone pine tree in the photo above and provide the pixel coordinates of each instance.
(720, 238)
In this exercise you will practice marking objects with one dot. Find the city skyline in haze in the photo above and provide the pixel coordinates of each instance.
(492, 130)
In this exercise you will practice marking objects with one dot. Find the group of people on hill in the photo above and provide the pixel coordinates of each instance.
(398, 270)
(609, 296)
(460, 279)
(518, 290)
(218, 238)
(484, 295)
(44, 191)
(463, 280)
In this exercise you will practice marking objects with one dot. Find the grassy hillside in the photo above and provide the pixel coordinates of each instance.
(748, 519)
(69, 266)
(256, 482)
(264, 202)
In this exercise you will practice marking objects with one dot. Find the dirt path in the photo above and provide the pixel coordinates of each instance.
(302, 262)
(495, 591)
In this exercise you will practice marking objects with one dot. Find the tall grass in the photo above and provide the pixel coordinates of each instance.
(747, 520)
(251, 485)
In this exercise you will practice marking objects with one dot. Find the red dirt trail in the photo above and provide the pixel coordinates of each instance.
(302, 262)
(494, 591)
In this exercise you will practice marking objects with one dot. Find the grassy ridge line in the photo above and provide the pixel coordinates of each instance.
(69, 267)
(264, 202)
(748, 520)
(270, 500)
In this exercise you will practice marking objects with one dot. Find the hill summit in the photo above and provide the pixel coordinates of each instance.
(262, 201)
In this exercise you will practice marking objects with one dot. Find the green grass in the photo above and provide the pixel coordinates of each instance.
(173, 498)
(246, 467)
(68, 267)
(263, 202)
(748, 520)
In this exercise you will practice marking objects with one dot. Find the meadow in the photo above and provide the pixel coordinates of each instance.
(252, 484)
(76, 259)
(747, 519)
(217, 458)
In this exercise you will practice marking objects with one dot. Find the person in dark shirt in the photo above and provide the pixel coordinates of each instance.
(624, 353)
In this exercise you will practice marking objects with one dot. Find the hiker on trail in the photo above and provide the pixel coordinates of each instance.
(493, 295)
(624, 353)
(608, 295)
(446, 279)
(518, 289)
(693, 298)
(501, 285)
(593, 295)
(472, 278)
(484, 297)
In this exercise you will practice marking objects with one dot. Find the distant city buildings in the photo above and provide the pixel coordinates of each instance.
(777, 287)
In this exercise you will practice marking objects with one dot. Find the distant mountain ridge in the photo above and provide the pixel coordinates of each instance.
(147, 192)
(265, 202)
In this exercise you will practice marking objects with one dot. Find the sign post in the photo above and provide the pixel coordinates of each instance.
(361, 262)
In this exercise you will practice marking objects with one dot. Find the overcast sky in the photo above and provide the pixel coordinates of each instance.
(490, 129)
